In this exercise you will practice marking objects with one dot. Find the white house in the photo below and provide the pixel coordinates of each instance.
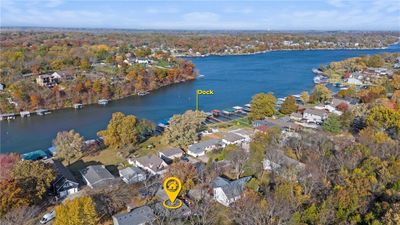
(233, 139)
(170, 154)
(226, 191)
(354, 81)
(315, 115)
(131, 175)
(200, 149)
(65, 183)
(150, 163)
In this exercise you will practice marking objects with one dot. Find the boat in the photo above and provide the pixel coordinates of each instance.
(42, 112)
(78, 106)
(201, 76)
(102, 102)
(25, 113)
(143, 93)
(317, 71)
(7, 116)
(320, 79)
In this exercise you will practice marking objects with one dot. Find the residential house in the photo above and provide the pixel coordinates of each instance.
(97, 176)
(200, 149)
(226, 191)
(233, 139)
(48, 80)
(296, 116)
(168, 155)
(179, 213)
(315, 115)
(139, 216)
(131, 175)
(150, 163)
(277, 160)
(65, 183)
(246, 133)
(354, 81)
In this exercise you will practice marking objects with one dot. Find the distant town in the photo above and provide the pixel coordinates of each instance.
(318, 157)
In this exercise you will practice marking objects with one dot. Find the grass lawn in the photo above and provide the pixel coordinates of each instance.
(156, 143)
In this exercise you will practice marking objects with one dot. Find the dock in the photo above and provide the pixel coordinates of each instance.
(102, 102)
(25, 114)
(78, 106)
(42, 112)
(7, 116)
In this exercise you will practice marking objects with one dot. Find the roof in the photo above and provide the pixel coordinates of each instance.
(137, 216)
(232, 137)
(278, 157)
(317, 112)
(243, 132)
(181, 212)
(337, 101)
(62, 171)
(150, 161)
(96, 174)
(130, 172)
(36, 155)
(231, 189)
(296, 114)
(201, 146)
(171, 152)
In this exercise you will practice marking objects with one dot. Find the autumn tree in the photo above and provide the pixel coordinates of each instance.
(7, 162)
(124, 130)
(262, 105)
(12, 196)
(79, 211)
(185, 172)
(305, 97)
(34, 178)
(320, 94)
(289, 105)
(182, 129)
(68, 145)
(383, 117)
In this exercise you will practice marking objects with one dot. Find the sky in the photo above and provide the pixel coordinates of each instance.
(208, 15)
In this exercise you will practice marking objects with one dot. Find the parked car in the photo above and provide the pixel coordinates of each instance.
(47, 217)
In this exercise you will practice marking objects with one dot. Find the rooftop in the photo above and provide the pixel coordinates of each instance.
(201, 146)
(96, 174)
(138, 216)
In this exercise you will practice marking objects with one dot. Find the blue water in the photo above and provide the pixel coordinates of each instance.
(234, 80)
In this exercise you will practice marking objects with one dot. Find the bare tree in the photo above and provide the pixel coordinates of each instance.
(20, 215)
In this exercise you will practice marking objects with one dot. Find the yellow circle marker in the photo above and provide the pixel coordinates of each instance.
(172, 186)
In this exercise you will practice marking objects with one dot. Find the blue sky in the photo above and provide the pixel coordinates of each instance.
(217, 14)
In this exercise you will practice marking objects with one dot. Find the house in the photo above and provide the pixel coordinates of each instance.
(296, 116)
(246, 133)
(277, 160)
(97, 176)
(48, 80)
(2, 87)
(170, 154)
(261, 129)
(233, 139)
(139, 216)
(226, 191)
(131, 175)
(315, 115)
(200, 149)
(179, 213)
(65, 183)
(354, 81)
(150, 163)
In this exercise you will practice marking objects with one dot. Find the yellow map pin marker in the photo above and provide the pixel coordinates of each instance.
(172, 186)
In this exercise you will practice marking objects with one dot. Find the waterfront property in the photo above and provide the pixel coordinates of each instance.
(200, 149)
(65, 183)
(169, 155)
(151, 163)
(97, 176)
(37, 155)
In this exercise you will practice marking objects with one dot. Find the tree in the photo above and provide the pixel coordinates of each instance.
(11, 196)
(320, 94)
(238, 157)
(7, 162)
(375, 61)
(79, 211)
(20, 215)
(383, 117)
(185, 172)
(262, 105)
(34, 177)
(182, 129)
(305, 97)
(332, 124)
(289, 105)
(68, 145)
(124, 130)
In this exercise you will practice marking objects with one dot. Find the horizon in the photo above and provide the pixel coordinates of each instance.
(274, 16)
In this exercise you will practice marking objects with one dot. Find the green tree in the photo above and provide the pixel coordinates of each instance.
(182, 129)
(68, 145)
(320, 94)
(262, 105)
(289, 105)
(332, 124)
(79, 211)
(34, 177)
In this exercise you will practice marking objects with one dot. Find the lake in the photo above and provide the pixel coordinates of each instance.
(234, 80)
